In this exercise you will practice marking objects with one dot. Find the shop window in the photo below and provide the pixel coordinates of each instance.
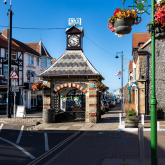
(45, 62)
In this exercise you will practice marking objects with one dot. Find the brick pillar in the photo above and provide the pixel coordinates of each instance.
(92, 104)
(47, 97)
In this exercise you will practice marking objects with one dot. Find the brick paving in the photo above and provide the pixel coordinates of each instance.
(102, 142)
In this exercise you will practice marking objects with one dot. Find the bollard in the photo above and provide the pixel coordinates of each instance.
(142, 119)
(158, 125)
(120, 118)
(141, 144)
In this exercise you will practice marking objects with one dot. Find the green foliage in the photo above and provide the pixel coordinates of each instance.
(130, 113)
(160, 111)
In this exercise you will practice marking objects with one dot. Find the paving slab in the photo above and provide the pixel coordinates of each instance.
(42, 126)
(78, 124)
(63, 128)
(74, 128)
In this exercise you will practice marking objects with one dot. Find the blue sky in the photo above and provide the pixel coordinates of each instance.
(94, 15)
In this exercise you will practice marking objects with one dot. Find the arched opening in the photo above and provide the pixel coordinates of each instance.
(75, 100)
(71, 102)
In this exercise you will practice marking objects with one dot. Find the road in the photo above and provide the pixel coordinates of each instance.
(21, 146)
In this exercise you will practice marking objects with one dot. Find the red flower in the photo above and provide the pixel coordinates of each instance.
(116, 11)
(112, 30)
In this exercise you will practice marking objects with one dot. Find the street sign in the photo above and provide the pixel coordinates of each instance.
(14, 75)
(15, 89)
(74, 21)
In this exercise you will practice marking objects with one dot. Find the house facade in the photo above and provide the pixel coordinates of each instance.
(28, 60)
(17, 63)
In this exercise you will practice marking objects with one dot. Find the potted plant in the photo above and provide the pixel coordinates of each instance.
(160, 113)
(131, 120)
(122, 21)
(159, 20)
(38, 86)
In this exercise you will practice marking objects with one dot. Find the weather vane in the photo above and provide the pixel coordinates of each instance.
(140, 6)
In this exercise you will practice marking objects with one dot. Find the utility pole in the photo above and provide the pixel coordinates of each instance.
(8, 107)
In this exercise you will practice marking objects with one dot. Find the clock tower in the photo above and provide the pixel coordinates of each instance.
(74, 38)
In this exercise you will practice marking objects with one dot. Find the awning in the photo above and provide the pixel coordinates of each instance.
(31, 73)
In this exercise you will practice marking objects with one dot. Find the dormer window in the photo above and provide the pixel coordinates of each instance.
(30, 59)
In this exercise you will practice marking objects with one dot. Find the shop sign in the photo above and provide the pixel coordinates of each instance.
(64, 99)
(75, 98)
(21, 112)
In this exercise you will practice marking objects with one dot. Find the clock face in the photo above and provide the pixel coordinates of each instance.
(73, 40)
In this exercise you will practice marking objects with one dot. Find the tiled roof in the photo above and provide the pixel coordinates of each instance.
(36, 47)
(140, 37)
(71, 63)
(130, 66)
(26, 48)
(4, 43)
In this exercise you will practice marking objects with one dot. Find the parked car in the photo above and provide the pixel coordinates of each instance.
(102, 107)
(110, 103)
(106, 104)
(113, 103)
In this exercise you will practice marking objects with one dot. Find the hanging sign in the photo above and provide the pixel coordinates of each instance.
(14, 75)
(76, 98)
(74, 21)
(64, 99)
(14, 89)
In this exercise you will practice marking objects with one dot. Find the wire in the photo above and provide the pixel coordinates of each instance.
(34, 28)
(99, 46)
(60, 28)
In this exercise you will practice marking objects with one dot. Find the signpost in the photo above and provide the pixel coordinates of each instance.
(14, 89)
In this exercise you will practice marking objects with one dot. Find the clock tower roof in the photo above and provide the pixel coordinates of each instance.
(75, 29)
(72, 62)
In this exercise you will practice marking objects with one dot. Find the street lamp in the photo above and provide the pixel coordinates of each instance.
(8, 100)
(121, 53)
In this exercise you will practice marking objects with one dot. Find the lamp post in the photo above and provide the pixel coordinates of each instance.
(153, 102)
(8, 107)
(121, 53)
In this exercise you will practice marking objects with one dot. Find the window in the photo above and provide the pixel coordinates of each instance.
(13, 54)
(45, 62)
(30, 76)
(37, 61)
(30, 59)
(30, 79)
(5, 72)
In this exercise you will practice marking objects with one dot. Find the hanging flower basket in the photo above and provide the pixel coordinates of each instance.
(38, 86)
(124, 26)
(122, 21)
(100, 86)
(159, 19)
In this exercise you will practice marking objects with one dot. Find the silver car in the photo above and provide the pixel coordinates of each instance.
(113, 103)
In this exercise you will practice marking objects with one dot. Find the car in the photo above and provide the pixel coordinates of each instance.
(113, 103)
(102, 107)
(109, 102)
(106, 104)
